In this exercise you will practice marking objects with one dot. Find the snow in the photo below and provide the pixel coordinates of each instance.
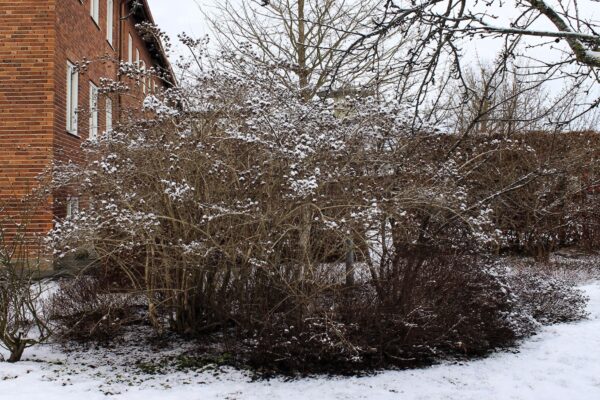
(593, 54)
(561, 362)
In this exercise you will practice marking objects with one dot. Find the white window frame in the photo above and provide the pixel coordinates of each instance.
(72, 206)
(93, 135)
(72, 98)
(109, 21)
(142, 66)
(95, 10)
(137, 64)
(109, 115)
(130, 49)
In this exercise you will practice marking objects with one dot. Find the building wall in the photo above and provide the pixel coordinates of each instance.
(27, 43)
(80, 40)
(37, 39)
(131, 101)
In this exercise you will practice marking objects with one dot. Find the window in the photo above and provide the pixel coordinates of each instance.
(72, 98)
(93, 112)
(95, 10)
(109, 21)
(130, 49)
(137, 64)
(108, 114)
(72, 206)
(142, 65)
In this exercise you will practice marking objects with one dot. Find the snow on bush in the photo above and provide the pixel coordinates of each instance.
(224, 205)
(548, 299)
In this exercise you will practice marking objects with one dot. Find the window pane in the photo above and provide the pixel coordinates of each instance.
(72, 206)
(109, 21)
(108, 115)
(95, 9)
(130, 49)
(93, 111)
(72, 98)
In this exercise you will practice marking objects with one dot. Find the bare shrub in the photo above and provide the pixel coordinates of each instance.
(85, 309)
(547, 298)
(458, 307)
(555, 206)
(23, 315)
(226, 213)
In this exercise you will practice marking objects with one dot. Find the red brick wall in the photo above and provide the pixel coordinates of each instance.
(133, 100)
(37, 38)
(27, 42)
(79, 38)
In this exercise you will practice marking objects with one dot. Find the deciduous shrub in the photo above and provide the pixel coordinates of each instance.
(457, 307)
(24, 320)
(316, 232)
(85, 309)
(546, 297)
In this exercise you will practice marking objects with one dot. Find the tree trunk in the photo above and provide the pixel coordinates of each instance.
(303, 77)
(16, 353)
(305, 229)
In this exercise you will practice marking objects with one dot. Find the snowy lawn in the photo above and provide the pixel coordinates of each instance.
(562, 362)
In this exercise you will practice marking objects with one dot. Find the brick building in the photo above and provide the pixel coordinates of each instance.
(48, 105)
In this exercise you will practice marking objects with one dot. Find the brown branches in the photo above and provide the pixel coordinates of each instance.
(24, 321)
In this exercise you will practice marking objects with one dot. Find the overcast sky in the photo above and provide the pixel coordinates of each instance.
(185, 16)
(176, 16)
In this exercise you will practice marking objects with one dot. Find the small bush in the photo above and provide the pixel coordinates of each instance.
(548, 299)
(86, 309)
(455, 309)
(23, 315)
(23, 318)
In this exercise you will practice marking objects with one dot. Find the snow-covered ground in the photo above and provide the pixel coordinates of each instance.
(562, 362)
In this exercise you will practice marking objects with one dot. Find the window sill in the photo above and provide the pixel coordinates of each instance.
(74, 134)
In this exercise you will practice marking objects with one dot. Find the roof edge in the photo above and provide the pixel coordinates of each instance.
(145, 14)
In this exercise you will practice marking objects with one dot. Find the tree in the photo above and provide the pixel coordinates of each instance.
(552, 40)
(304, 40)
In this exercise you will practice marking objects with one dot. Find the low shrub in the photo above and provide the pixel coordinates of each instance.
(24, 318)
(455, 309)
(24, 321)
(549, 299)
(86, 309)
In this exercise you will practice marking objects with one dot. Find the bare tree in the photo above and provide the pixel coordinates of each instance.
(510, 103)
(23, 321)
(555, 40)
(305, 41)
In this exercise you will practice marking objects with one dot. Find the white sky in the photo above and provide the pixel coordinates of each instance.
(176, 16)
